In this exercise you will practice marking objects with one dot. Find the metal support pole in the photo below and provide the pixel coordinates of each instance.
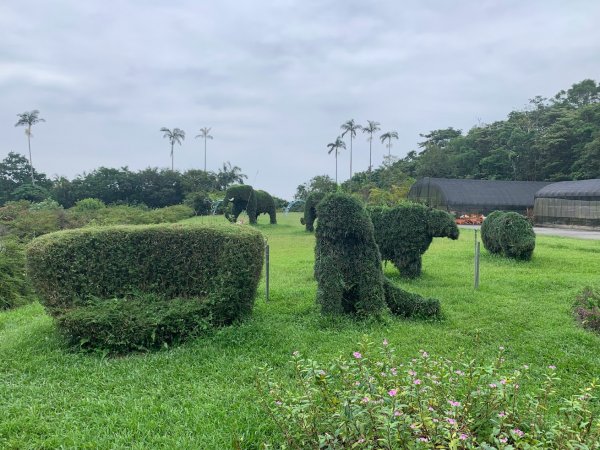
(477, 265)
(267, 271)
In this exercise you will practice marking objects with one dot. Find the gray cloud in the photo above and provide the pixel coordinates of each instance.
(275, 79)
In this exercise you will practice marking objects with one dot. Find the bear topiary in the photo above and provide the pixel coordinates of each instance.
(508, 234)
(244, 198)
(348, 265)
(404, 232)
(310, 210)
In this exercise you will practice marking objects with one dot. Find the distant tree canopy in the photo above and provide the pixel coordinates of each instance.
(153, 187)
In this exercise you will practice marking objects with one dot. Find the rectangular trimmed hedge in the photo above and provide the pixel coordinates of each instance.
(219, 266)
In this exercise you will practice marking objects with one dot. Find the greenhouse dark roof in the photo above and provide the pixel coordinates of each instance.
(457, 193)
(574, 190)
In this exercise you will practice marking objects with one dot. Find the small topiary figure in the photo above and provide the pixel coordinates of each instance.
(404, 232)
(348, 265)
(265, 205)
(508, 234)
(310, 210)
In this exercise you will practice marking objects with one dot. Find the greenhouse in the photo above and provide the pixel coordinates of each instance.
(476, 196)
(570, 203)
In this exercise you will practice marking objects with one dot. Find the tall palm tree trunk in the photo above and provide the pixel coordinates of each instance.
(335, 166)
(370, 147)
(205, 153)
(390, 146)
(30, 161)
(350, 155)
(172, 158)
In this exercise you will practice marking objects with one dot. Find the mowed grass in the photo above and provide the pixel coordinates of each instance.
(201, 395)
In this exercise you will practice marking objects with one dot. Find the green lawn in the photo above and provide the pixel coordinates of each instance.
(201, 395)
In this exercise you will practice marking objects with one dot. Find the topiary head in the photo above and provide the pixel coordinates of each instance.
(343, 217)
(442, 224)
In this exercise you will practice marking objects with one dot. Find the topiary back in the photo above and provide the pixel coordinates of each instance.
(265, 204)
(129, 277)
(310, 210)
(508, 234)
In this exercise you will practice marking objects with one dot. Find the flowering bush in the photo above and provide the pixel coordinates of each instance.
(587, 309)
(371, 400)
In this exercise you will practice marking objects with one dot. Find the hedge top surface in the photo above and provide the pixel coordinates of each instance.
(172, 260)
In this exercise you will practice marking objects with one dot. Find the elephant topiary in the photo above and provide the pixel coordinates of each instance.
(348, 265)
(254, 202)
(310, 210)
(404, 232)
(508, 234)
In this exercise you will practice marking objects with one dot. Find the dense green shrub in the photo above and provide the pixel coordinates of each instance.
(88, 204)
(587, 309)
(508, 234)
(200, 203)
(217, 267)
(31, 193)
(373, 399)
(265, 204)
(404, 232)
(310, 210)
(15, 289)
(348, 265)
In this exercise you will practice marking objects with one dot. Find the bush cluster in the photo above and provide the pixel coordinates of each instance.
(348, 265)
(508, 234)
(310, 210)
(243, 197)
(15, 289)
(587, 309)
(375, 400)
(82, 276)
(404, 232)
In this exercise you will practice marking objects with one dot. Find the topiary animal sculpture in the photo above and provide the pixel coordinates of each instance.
(310, 210)
(348, 265)
(404, 232)
(508, 234)
(243, 197)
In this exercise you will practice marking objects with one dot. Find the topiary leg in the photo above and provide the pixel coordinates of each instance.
(410, 268)
(330, 290)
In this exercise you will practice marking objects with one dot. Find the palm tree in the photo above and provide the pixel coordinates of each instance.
(371, 128)
(339, 143)
(29, 118)
(389, 136)
(204, 134)
(229, 175)
(350, 127)
(175, 135)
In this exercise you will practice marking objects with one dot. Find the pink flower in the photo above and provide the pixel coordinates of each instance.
(493, 385)
(424, 354)
(394, 371)
(296, 353)
(504, 440)
(278, 403)
(412, 373)
(518, 432)
(392, 392)
(365, 400)
(451, 421)
(423, 439)
(357, 383)
(453, 403)
(435, 420)
(417, 381)
(502, 381)
(459, 372)
(357, 355)
(463, 436)
(431, 409)
(397, 413)
(501, 414)
(385, 342)
(516, 386)
(361, 440)
(552, 367)
(413, 426)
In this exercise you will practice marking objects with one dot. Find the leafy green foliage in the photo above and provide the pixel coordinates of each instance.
(508, 234)
(30, 192)
(587, 309)
(403, 233)
(215, 266)
(376, 400)
(200, 202)
(347, 262)
(310, 210)
(15, 289)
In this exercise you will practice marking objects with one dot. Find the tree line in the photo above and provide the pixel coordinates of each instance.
(153, 187)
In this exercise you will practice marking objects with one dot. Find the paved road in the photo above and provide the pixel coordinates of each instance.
(565, 232)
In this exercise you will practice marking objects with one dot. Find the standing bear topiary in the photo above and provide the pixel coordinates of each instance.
(348, 265)
(404, 232)
(310, 210)
(508, 234)
(244, 198)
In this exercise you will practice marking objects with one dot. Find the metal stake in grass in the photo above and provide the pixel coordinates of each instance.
(477, 265)
(267, 270)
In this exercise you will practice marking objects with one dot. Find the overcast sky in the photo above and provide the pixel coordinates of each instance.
(273, 78)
